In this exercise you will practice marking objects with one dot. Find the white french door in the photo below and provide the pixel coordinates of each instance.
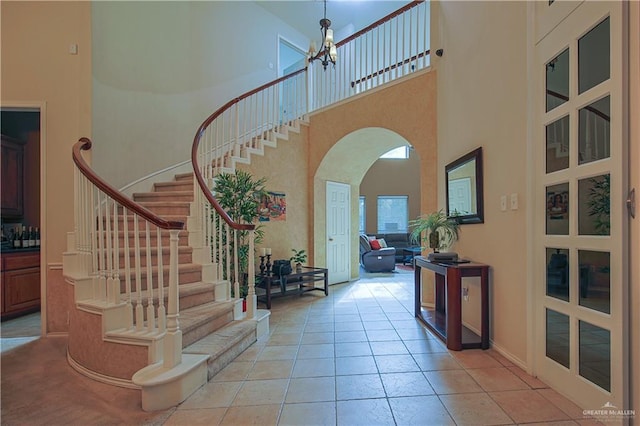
(338, 232)
(580, 224)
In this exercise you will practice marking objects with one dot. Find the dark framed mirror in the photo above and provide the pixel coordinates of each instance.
(464, 188)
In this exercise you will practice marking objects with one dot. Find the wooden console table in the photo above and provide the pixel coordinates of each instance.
(446, 319)
(270, 285)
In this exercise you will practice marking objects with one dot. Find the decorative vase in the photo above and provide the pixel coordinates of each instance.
(434, 241)
(298, 268)
(244, 305)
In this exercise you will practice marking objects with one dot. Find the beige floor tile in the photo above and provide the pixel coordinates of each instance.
(347, 318)
(425, 346)
(314, 368)
(396, 363)
(271, 353)
(496, 379)
(571, 409)
(526, 406)
(237, 370)
(212, 395)
(560, 423)
(261, 392)
(250, 354)
(311, 389)
(406, 384)
(499, 357)
(350, 336)
(382, 335)
(318, 327)
(436, 361)
(377, 325)
(367, 412)
(356, 365)
(474, 409)
(197, 417)
(420, 411)
(317, 338)
(324, 350)
(284, 339)
(359, 387)
(452, 382)
(308, 414)
(368, 315)
(247, 416)
(353, 349)
(528, 379)
(392, 347)
(414, 334)
(475, 358)
(275, 369)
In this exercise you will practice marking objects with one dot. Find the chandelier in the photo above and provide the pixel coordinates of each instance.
(328, 52)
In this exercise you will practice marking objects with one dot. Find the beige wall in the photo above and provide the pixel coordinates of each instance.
(37, 69)
(480, 40)
(161, 67)
(343, 150)
(391, 177)
(286, 171)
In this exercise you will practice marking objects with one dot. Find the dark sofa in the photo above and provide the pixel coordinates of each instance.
(398, 241)
(381, 260)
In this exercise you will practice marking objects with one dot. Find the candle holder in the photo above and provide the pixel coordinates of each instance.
(262, 265)
(269, 264)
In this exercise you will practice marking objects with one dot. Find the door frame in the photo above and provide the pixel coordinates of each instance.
(535, 301)
(41, 107)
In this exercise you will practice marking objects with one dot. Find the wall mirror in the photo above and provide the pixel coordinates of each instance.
(464, 188)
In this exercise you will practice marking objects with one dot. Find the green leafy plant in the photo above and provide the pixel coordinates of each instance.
(239, 194)
(439, 230)
(599, 203)
(299, 257)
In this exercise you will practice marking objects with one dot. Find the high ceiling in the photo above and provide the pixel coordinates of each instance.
(347, 16)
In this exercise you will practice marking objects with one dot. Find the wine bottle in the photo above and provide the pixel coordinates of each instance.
(17, 241)
(25, 237)
(32, 237)
(37, 237)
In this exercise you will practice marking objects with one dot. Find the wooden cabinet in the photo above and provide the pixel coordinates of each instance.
(20, 282)
(12, 195)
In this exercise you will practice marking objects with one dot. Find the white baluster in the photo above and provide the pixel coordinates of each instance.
(151, 320)
(162, 320)
(139, 308)
(127, 267)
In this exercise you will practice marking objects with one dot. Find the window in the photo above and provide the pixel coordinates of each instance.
(401, 152)
(362, 215)
(393, 213)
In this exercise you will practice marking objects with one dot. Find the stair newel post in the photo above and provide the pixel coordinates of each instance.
(252, 300)
(139, 309)
(173, 338)
(151, 320)
(161, 309)
(236, 282)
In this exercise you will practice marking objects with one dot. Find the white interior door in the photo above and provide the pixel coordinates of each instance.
(580, 227)
(338, 232)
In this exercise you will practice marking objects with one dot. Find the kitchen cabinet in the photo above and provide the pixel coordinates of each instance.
(12, 195)
(20, 282)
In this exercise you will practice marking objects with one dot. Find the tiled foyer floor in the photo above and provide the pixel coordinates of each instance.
(358, 357)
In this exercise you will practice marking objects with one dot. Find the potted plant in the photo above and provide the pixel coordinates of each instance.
(299, 257)
(239, 194)
(439, 230)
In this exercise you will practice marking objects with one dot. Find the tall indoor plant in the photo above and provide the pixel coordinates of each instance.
(439, 230)
(238, 194)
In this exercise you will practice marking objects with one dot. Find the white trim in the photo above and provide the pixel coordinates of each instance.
(115, 381)
(157, 173)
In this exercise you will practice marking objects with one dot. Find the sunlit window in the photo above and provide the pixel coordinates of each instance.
(393, 213)
(401, 152)
(363, 211)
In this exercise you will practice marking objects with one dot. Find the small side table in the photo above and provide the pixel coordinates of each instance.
(410, 253)
(294, 283)
(446, 319)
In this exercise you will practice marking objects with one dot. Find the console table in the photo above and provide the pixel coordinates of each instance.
(270, 286)
(446, 319)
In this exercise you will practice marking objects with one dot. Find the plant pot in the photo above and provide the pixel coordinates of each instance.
(298, 268)
(434, 241)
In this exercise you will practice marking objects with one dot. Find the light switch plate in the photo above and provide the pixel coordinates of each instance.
(503, 203)
(514, 201)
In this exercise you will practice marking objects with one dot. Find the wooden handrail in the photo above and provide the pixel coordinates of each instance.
(84, 144)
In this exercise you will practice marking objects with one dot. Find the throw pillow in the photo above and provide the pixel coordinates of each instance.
(383, 243)
(375, 244)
